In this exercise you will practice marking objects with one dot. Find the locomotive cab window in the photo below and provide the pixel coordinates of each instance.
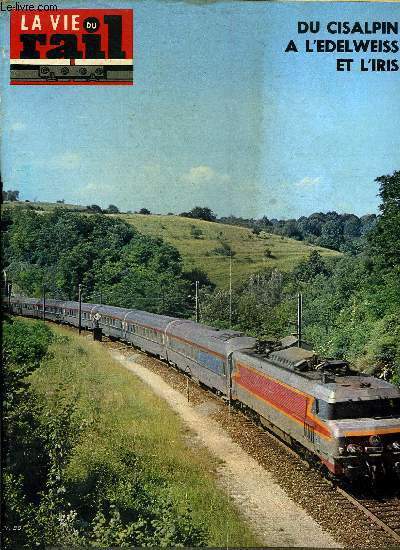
(315, 406)
(384, 408)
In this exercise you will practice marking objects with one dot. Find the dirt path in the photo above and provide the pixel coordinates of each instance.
(276, 519)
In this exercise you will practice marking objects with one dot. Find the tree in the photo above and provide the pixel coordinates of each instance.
(291, 230)
(368, 222)
(144, 211)
(351, 226)
(200, 213)
(199, 275)
(331, 234)
(308, 269)
(112, 209)
(384, 239)
(10, 195)
(94, 208)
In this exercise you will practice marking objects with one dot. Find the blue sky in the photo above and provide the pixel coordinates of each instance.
(219, 116)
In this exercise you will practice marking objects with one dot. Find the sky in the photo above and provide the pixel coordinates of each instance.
(219, 116)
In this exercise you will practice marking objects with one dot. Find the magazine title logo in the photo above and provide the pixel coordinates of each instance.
(71, 47)
(378, 41)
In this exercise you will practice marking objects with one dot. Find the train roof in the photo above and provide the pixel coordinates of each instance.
(53, 302)
(219, 341)
(357, 388)
(152, 320)
(26, 300)
(326, 386)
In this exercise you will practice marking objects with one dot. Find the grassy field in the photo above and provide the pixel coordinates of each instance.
(121, 415)
(250, 251)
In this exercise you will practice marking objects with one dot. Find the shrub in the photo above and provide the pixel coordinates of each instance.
(196, 232)
(224, 250)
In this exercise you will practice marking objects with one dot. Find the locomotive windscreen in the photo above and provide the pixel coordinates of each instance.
(383, 408)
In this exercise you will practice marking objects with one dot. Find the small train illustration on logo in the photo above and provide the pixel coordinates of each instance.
(72, 47)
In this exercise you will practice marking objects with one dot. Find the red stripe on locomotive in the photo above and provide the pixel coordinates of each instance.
(290, 402)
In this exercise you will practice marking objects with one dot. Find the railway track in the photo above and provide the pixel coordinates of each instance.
(384, 512)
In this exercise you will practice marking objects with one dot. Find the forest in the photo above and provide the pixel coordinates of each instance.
(112, 261)
(343, 232)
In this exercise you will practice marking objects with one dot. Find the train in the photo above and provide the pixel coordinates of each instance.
(348, 422)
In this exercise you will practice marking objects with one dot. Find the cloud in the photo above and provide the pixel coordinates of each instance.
(198, 175)
(308, 182)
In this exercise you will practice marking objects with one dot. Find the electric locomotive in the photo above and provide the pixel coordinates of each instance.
(350, 421)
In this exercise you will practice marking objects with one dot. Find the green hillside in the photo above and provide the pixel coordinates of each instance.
(250, 250)
(39, 206)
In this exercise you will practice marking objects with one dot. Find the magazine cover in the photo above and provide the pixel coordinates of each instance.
(200, 274)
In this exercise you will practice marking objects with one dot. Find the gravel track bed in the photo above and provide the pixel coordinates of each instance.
(305, 485)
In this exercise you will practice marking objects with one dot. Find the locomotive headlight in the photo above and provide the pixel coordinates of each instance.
(375, 441)
(396, 446)
(354, 449)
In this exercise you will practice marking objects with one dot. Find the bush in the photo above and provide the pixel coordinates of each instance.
(112, 209)
(268, 253)
(94, 208)
(224, 250)
(196, 232)
(200, 213)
